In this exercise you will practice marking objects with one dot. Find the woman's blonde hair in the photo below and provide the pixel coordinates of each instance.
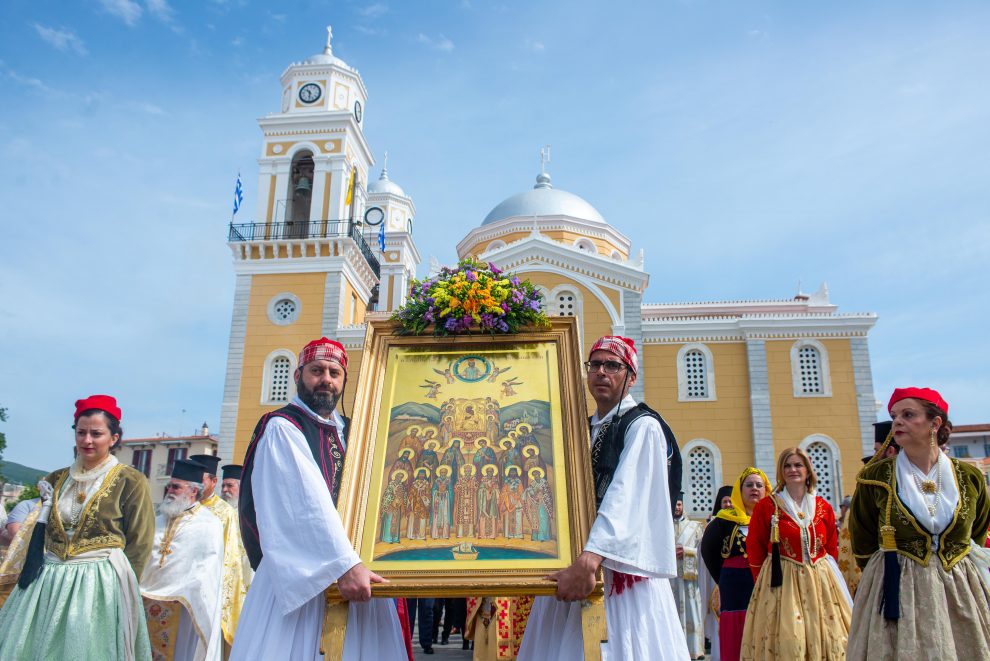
(812, 480)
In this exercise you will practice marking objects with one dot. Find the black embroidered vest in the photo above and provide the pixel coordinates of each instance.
(327, 451)
(607, 446)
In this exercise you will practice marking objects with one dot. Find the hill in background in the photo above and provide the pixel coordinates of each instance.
(20, 474)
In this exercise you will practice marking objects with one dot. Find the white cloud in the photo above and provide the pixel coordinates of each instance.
(62, 39)
(440, 43)
(534, 45)
(149, 108)
(371, 32)
(26, 81)
(374, 11)
(126, 10)
(160, 9)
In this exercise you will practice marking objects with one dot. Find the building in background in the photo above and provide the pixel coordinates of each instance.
(155, 456)
(737, 380)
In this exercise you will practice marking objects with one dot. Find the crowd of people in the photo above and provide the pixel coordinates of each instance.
(94, 572)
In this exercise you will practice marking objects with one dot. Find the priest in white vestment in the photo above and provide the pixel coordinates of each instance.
(182, 582)
(293, 534)
(687, 594)
(632, 537)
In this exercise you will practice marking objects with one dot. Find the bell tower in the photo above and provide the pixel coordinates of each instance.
(307, 265)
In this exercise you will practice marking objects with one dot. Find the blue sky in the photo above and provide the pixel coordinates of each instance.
(744, 145)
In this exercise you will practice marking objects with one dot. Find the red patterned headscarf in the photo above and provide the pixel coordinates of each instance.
(622, 347)
(323, 349)
(99, 402)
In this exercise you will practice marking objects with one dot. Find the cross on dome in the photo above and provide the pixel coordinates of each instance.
(327, 50)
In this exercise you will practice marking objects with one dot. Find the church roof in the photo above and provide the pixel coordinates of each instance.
(544, 200)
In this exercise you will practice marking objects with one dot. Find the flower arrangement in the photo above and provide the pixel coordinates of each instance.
(472, 296)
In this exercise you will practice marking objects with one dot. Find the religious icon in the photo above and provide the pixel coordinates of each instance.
(491, 477)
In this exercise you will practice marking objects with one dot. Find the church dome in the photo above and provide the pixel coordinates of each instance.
(544, 200)
(385, 185)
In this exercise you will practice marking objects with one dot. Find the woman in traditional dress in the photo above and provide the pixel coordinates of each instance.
(914, 519)
(800, 607)
(723, 548)
(98, 525)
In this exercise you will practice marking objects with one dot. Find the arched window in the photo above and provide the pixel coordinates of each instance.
(809, 369)
(702, 477)
(277, 384)
(495, 245)
(299, 197)
(564, 302)
(586, 245)
(824, 454)
(695, 373)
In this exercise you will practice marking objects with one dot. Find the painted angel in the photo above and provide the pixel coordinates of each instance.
(508, 387)
(496, 371)
(434, 387)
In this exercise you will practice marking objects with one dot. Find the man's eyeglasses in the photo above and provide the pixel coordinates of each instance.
(610, 366)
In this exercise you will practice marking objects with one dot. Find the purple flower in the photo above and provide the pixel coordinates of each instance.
(533, 305)
(505, 307)
(466, 320)
(517, 296)
(514, 281)
(428, 317)
(470, 275)
(502, 326)
(494, 269)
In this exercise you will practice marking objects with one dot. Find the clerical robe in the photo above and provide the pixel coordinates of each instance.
(496, 625)
(634, 533)
(235, 581)
(305, 550)
(182, 587)
(685, 586)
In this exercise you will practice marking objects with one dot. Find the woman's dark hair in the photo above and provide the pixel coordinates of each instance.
(942, 435)
(113, 424)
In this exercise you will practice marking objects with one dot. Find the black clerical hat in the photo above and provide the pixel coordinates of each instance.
(190, 471)
(232, 472)
(881, 430)
(208, 461)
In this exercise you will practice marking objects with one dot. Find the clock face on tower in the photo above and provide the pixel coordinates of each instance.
(310, 93)
(358, 112)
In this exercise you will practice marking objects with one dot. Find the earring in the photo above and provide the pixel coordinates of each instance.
(932, 438)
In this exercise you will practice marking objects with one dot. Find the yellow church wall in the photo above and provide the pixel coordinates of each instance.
(796, 418)
(262, 337)
(360, 307)
(725, 422)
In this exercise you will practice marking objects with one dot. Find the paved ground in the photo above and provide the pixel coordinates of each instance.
(447, 652)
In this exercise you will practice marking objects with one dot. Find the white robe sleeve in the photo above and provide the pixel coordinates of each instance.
(634, 529)
(302, 538)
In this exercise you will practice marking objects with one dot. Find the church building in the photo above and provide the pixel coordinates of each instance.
(738, 381)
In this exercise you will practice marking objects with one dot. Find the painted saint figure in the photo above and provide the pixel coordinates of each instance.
(483, 456)
(428, 457)
(418, 504)
(404, 463)
(539, 506)
(442, 501)
(488, 498)
(454, 459)
(465, 499)
(392, 504)
(511, 504)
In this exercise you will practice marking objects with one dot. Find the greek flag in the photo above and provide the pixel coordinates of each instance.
(381, 237)
(238, 194)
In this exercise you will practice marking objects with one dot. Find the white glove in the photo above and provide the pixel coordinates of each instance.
(47, 491)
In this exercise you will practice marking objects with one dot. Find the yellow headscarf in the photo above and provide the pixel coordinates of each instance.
(737, 513)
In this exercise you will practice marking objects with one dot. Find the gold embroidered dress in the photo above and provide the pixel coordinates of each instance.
(85, 603)
(943, 600)
(235, 579)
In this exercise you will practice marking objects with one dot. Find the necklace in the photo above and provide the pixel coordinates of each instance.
(928, 486)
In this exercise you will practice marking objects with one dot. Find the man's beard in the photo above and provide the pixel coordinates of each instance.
(172, 505)
(230, 499)
(322, 403)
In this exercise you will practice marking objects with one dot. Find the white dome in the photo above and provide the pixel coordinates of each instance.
(385, 185)
(544, 200)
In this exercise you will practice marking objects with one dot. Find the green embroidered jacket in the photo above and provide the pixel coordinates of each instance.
(120, 515)
(876, 489)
